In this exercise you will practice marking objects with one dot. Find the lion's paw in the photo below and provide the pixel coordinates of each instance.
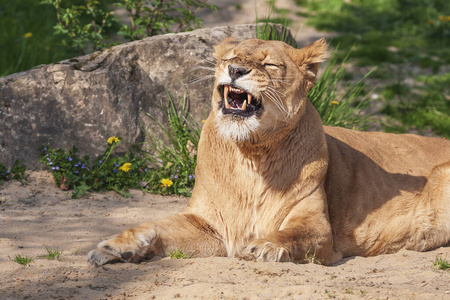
(264, 250)
(108, 252)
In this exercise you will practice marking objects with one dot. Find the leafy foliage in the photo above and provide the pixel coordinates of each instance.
(148, 18)
(106, 172)
(83, 27)
(79, 33)
(17, 172)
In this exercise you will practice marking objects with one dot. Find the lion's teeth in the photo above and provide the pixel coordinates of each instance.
(236, 90)
(227, 105)
(226, 90)
(249, 98)
(244, 105)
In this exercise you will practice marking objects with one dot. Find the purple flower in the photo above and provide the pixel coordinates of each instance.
(51, 163)
(53, 168)
(175, 177)
(190, 177)
(115, 171)
(69, 158)
(7, 172)
(100, 161)
(82, 166)
(57, 168)
(76, 172)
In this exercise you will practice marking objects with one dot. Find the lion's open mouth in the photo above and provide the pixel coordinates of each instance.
(238, 101)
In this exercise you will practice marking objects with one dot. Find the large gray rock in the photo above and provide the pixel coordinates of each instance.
(84, 100)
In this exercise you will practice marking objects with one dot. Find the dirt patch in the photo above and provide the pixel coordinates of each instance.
(37, 215)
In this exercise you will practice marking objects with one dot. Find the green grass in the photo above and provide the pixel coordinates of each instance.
(179, 254)
(339, 102)
(425, 107)
(23, 260)
(398, 37)
(26, 36)
(173, 157)
(441, 263)
(53, 253)
(413, 27)
(311, 257)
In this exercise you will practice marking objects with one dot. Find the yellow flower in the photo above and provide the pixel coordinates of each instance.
(166, 182)
(113, 140)
(125, 167)
(334, 102)
(203, 121)
(28, 35)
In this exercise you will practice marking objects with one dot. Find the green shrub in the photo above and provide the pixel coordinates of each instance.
(83, 26)
(17, 172)
(106, 172)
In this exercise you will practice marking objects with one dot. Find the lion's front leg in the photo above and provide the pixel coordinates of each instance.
(182, 231)
(304, 233)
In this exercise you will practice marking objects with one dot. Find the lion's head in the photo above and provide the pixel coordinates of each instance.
(261, 86)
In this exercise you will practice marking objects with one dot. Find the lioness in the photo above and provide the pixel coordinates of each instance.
(274, 184)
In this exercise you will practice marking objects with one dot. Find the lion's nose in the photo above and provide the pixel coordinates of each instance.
(236, 72)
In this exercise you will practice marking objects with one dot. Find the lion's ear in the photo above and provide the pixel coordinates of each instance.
(310, 57)
(224, 47)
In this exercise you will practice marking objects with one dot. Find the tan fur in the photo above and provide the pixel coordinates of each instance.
(279, 186)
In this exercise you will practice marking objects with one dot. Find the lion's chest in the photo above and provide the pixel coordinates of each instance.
(246, 211)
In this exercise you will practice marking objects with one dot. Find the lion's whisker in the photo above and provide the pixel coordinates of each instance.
(205, 68)
(275, 90)
(206, 77)
(209, 60)
(277, 101)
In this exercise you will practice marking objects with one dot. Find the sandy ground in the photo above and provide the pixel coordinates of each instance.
(38, 215)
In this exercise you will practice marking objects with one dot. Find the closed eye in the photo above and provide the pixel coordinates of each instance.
(268, 65)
